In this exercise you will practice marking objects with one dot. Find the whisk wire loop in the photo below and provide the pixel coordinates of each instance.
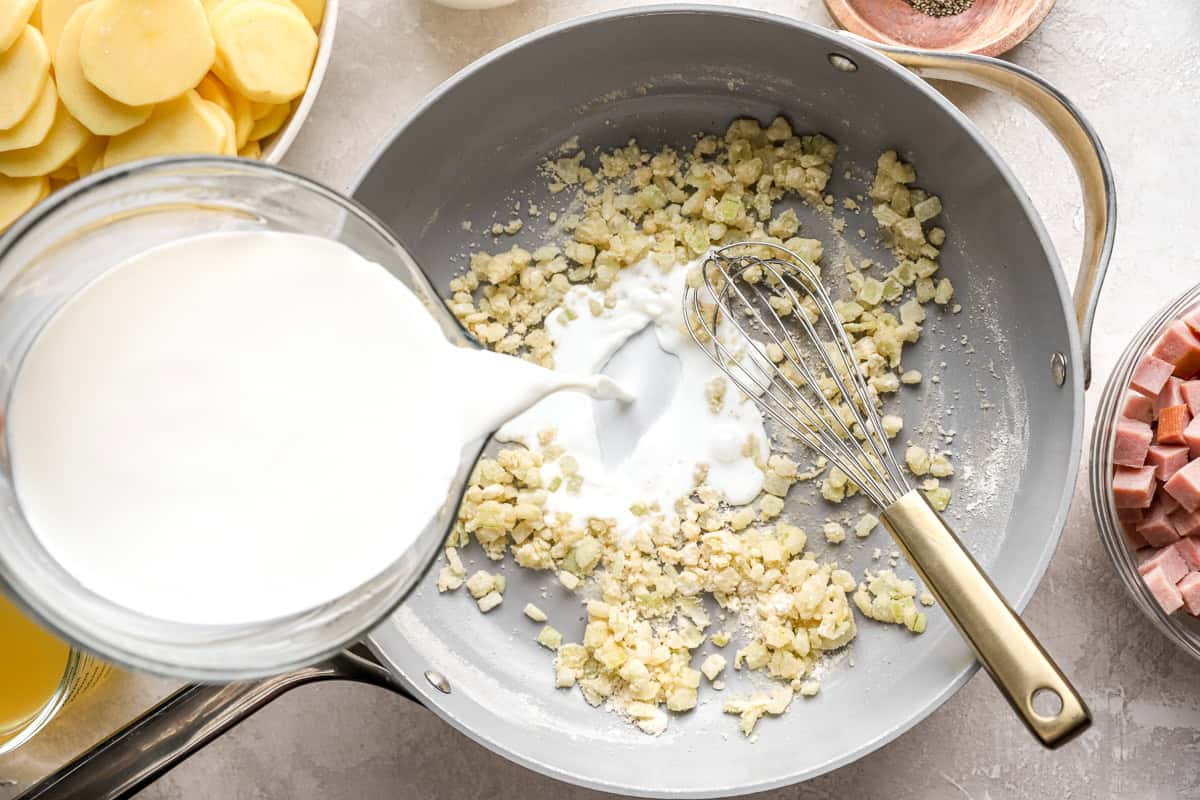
(760, 320)
(805, 419)
(742, 290)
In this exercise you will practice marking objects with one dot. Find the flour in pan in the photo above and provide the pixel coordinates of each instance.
(466, 678)
(676, 558)
(993, 393)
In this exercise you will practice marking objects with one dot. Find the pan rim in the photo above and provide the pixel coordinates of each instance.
(432, 700)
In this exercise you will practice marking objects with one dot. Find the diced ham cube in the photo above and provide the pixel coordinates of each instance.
(1192, 320)
(1151, 375)
(1157, 528)
(1179, 346)
(1184, 485)
(1135, 539)
(1139, 407)
(1171, 422)
(1187, 523)
(1132, 442)
(1171, 395)
(1167, 459)
(1133, 487)
(1131, 514)
(1189, 591)
(1163, 589)
(1191, 396)
(1168, 560)
(1189, 551)
(1191, 435)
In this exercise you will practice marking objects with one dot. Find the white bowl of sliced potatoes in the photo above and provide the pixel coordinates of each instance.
(91, 84)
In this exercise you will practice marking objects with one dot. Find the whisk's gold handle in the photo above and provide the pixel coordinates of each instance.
(1009, 652)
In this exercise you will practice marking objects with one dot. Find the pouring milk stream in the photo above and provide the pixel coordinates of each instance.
(241, 426)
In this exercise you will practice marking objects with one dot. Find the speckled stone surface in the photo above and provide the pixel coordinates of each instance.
(1134, 68)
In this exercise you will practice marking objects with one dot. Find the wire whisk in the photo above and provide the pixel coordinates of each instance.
(761, 313)
(786, 349)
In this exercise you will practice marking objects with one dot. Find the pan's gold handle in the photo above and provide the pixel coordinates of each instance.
(1009, 652)
(1073, 132)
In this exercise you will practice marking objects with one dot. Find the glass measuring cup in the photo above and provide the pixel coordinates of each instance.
(74, 237)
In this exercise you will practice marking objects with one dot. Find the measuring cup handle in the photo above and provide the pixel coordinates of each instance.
(1010, 653)
(182, 724)
(1073, 132)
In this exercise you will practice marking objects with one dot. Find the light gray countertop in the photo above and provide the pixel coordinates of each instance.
(1134, 69)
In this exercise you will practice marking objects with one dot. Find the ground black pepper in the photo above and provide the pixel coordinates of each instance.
(941, 8)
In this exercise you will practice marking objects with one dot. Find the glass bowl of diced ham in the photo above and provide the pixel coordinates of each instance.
(1145, 471)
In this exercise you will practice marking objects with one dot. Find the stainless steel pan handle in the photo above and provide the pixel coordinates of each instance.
(1073, 132)
(182, 724)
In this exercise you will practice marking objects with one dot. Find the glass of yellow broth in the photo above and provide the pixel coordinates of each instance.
(39, 676)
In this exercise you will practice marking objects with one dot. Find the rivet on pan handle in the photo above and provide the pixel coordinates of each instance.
(1005, 647)
(184, 722)
(1073, 132)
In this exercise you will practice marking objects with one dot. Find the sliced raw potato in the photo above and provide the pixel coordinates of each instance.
(66, 173)
(14, 16)
(178, 127)
(265, 50)
(236, 106)
(229, 142)
(24, 68)
(30, 131)
(243, 119)
(272, 122)
(212, 90)
(18, 195)
(260, 110)
(251, 150)
(313, 11)
(64, 140)
(217, 7)
(91, 156)
(146, 51)
(309, 8)
(98, 112)
(55, 14)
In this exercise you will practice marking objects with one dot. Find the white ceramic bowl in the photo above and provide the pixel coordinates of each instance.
(279, 142)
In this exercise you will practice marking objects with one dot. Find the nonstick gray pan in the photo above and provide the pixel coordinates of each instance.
(1013, 381)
